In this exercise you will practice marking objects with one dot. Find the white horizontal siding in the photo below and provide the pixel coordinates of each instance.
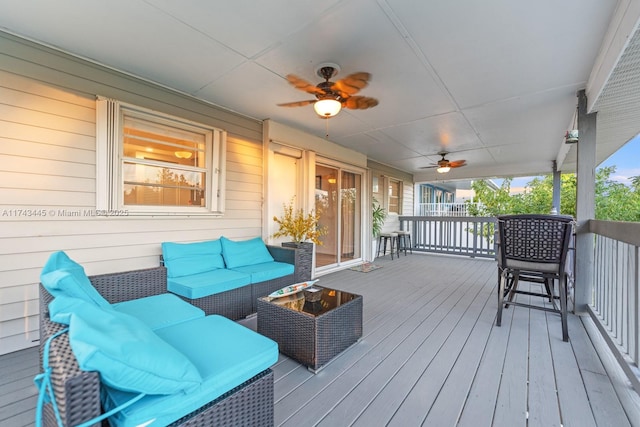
(407, 198)
(47, 163)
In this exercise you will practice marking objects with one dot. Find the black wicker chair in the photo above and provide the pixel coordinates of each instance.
(533, 248)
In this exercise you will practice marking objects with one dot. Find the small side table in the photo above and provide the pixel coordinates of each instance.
(312, 333)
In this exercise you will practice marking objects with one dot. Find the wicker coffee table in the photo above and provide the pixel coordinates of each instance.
(312, 333)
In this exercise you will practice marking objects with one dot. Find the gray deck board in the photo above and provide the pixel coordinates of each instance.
(430, 355)
(17, 390)
(480, 404)
(449, 403)
(573, 400)
(392, 376)
(543, 410)
(440, 351)
(387, 359)
(605, 404)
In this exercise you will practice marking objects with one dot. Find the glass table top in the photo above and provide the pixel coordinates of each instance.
(313, 301)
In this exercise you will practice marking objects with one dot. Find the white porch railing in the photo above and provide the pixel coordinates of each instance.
(616, 307)
(469, 236)
(442, 209)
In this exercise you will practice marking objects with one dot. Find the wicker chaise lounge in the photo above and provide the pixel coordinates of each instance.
(77, 392)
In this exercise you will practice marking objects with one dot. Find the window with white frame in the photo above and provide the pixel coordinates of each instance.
(395, 196)
(148, 162)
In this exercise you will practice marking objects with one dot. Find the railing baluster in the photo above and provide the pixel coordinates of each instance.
(616, 291)
(634, 286)
(457, 235)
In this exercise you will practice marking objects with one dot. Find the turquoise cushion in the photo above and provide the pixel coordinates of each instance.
(226, 354)
(209, 283)
(182, 259)
(159, 311)
(59, 260)
(63, 276)
(61, 308)
(245, 252)
(266, 270)
(126, 353)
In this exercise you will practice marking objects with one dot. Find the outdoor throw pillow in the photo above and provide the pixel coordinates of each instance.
(126, 353)
(183, 259)
(63, 276)
(244, 252)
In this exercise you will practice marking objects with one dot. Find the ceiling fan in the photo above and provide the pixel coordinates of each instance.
(331, 97)
(444, 165)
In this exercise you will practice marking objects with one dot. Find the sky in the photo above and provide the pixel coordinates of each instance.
(626, 160)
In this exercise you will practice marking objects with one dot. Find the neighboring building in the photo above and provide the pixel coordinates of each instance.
(447, 198)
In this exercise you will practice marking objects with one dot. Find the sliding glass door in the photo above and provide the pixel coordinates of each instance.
(338, 200)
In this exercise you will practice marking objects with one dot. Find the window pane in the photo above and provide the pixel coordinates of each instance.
(153, 141)
(394, 196)
(155, 185)
(377, 190)
(351, 216)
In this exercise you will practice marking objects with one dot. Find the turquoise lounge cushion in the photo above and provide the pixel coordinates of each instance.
(182, 259)
(266, 270)
(59, 260)
(63, 276)
(229, 355)
(61, 308)
(159, 311)
(244, 252)
(208, 283)
(126, 353)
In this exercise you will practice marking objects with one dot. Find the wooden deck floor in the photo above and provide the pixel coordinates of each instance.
(430, 355)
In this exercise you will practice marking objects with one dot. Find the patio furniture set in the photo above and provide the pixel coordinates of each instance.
(159, 346)
(121, 346)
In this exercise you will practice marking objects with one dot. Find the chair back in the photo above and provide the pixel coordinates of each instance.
(534, 238)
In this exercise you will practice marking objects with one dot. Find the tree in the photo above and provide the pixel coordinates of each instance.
(493, 202)
(614, 201)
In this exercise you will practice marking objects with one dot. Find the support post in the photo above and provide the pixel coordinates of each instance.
(585, 205)
(557, 185)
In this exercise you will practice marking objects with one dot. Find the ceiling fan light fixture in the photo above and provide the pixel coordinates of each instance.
(327, 107)
(183, 154)
(443, 169)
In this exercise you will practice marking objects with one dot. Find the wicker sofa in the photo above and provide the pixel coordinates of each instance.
(78, 393)
(240, 301)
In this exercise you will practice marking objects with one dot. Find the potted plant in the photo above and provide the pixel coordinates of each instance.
(298, 226)
(303, 230)
(378, 216)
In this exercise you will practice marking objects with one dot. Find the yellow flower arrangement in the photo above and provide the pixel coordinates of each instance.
(298, 226)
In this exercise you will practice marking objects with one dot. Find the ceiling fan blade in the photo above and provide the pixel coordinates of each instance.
(457, 163)
(352, 83)
(360, 102)
(304, 85)
(298, 103)
(429, 167)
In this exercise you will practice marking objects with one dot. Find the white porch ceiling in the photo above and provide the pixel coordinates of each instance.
(491, 82)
